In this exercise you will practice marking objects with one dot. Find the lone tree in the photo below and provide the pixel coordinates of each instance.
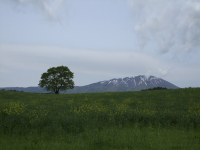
(57, 79)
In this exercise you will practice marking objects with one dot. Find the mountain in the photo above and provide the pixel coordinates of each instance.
(137, 83)
(35, 89)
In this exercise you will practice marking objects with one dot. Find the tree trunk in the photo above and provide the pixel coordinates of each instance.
(56, 92)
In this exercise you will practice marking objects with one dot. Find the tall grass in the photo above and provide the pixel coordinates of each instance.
(108, 138)
(123, 120)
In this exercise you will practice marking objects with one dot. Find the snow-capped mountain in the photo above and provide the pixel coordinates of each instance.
(124, 84)
(137, 83)
(140, 81)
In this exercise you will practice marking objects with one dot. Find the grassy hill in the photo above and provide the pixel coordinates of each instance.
(157, 119)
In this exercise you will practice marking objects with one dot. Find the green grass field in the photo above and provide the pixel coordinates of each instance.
(146, 120)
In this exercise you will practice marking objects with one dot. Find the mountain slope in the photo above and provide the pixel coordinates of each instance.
(124, 84)
(114, 85)
(35, 89)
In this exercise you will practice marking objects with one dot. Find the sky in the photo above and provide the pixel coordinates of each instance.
(100, 40)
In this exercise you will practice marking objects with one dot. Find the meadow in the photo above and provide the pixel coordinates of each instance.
(145, 120)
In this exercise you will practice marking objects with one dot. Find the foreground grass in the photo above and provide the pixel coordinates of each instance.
(168, 119)
(108, 138)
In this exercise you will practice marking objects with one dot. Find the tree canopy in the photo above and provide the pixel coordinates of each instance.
(57, 79)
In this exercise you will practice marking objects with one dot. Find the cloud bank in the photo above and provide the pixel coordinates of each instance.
(173, 25)
(110, 64)
(18, 62)
(82, 60)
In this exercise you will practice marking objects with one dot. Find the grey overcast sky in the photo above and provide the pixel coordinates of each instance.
(100, 40)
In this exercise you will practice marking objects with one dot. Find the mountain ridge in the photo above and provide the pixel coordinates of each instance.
(137, 83)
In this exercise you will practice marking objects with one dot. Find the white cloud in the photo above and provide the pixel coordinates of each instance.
(51, 8)
(163, 72)
(173, 25)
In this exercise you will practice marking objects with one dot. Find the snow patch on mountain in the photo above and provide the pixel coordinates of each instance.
(141, 80)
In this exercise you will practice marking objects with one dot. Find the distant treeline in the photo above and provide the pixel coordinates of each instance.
(12, 90)
(164, 88)
(155, 88)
